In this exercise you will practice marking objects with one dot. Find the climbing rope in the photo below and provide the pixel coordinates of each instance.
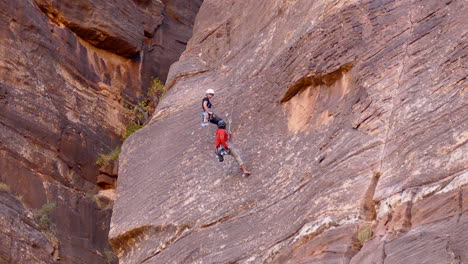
(230, 117)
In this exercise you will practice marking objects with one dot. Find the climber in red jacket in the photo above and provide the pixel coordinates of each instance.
(222, 147)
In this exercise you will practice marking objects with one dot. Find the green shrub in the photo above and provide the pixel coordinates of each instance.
(20, 198)
(131, 128)
(139, 113)
(105, 158)
(42, 218)
(156, 89)
(110, 255)
(4, 187)
(91, 197)
(98, 201)
(364, 234)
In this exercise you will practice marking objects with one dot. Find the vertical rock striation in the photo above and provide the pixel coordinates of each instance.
(169, 40)
(67, 68)
(351, 116)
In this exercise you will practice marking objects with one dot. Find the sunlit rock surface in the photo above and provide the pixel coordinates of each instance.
(351, 116)
(67, 69)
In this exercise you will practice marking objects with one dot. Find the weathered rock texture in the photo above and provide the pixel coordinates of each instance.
(67, 68)
(170, 38)
(351, 116)
(21, 241)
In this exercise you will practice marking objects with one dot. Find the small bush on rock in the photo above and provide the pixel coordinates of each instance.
(140, 113)
(156, 89)
(110, 256)
(42, 216)
(105, 158)
(4, 187)
(364, 234)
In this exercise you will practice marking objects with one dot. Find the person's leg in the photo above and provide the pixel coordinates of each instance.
(218, 152)
(234, 153)
(204, 116)
(236, 156)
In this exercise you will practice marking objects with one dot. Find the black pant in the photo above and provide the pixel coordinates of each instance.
(214, 119)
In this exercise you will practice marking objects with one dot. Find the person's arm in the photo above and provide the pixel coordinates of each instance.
(224, 138)
(205, 106)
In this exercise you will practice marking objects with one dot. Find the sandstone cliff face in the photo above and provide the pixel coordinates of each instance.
(170, 39)
(21, 241)
(68, 68)
(351, 116)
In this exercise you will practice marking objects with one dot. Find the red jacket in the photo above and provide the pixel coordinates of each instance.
(221, 137)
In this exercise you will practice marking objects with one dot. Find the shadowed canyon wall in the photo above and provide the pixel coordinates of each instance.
(67, 70)
(351, 116)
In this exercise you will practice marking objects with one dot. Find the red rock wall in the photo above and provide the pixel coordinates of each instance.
(170, 38)
(21, 241)
(67, 68)
(351, 116)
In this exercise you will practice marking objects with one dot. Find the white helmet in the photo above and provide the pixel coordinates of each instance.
(210, 91)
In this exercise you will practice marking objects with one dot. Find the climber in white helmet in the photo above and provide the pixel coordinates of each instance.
(207, 113)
